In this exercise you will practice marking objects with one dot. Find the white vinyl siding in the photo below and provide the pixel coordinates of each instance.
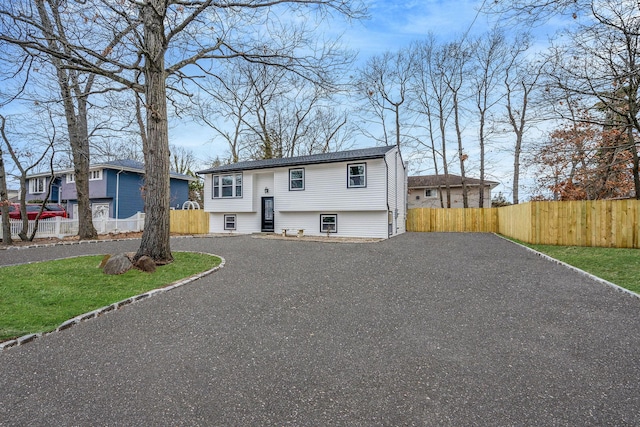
(246, 223)
(350, 224)
(326, 189)
(229, 204)
(361, 211)
(396, 192)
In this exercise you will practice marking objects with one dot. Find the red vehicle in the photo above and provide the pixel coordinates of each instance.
(50, 210)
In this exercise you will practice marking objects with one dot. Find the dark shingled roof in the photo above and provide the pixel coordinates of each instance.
(126, 164)
(439, 181)
(134, 165)
(341, 156)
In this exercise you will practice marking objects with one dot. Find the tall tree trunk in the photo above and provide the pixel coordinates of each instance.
(516, 168)
(4, 200)
(156, 236)
(76, 123)
(79, 139)
(397, 113)
(481, 143)
(445, 166)
(461, 155)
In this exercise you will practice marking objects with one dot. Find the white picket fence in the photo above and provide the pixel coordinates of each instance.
(61, 227)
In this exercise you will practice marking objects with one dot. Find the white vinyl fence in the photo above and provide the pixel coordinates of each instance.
(61, 227)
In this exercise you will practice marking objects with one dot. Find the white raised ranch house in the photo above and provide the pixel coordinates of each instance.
(356, 193)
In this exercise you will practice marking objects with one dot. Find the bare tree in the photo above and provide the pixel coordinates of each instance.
(454, 70)
(163, 38)
(433, 102)
(597, 63)
(489, 58)
(47, 152)
(224, 107)
(385, 82)
(521, 79)
(266, 112)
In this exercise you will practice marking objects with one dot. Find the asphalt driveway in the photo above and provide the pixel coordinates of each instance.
(422, 329)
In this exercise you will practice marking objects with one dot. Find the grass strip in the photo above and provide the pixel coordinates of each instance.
(616, 265)
(38, 297)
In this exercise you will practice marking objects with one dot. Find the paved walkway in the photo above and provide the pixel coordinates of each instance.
(422, 329)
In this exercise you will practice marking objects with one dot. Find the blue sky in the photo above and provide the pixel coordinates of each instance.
(395, 24)
(392, 25)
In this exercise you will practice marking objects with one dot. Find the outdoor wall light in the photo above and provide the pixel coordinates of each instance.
(266, 190)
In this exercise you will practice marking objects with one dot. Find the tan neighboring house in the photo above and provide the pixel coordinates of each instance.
(425, 191)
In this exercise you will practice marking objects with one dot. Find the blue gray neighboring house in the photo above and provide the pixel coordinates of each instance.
(116, 189)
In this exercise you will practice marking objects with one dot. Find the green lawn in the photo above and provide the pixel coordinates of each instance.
(39, 297)
(619, 266)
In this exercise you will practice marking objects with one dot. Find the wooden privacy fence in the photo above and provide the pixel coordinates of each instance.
(189, 221)
(605, 223)
(478, 220)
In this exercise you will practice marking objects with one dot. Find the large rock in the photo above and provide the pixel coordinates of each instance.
(117, 264)
(146, 264)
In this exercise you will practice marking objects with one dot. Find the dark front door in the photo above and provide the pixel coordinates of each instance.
(267, 214)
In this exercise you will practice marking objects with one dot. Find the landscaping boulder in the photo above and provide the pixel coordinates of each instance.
(117, 264)
(146, 264)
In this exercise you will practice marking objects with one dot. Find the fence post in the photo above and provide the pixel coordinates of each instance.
(58, 225)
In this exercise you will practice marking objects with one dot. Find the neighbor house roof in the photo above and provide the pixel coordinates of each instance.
(340, 156)
(124, 164)
(439, 181)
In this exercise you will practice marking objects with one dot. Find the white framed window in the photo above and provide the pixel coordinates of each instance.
(430, 192)
(296, 179)
(37, 185)
(230, 222)
(95, 175)
(357, 175)
(328, 223)
(226, 186)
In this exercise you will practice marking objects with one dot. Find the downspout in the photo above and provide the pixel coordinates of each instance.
(395, 212)
(387, 192)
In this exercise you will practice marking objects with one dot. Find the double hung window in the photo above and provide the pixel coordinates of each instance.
(357, 175)
(296, 179)
(229, 222)
(37, 185)
(329, 223)
(227, 185)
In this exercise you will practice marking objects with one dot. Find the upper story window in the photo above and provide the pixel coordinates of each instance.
(95, 175)
(227, 185)
(37, 185)
(357, 175)
(296, 179)
(430, 192)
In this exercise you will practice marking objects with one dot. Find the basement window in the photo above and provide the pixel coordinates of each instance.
(229, 222)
